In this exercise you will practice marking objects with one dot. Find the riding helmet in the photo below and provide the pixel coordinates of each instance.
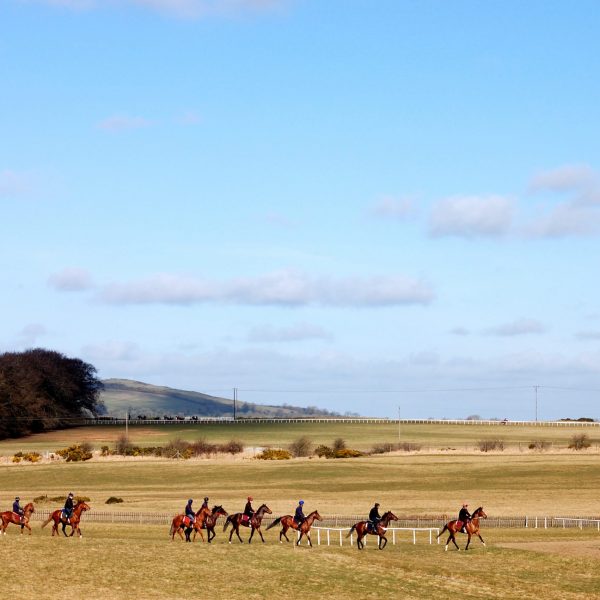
(190, 501)
(17, 498)
(301, 502)
(250, 498)
(206, 499)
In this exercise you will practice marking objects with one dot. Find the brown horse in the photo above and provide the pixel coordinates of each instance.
(287, 522)
(363, 529)
(9, 517)
(254, 523)
(472, 528)
(58, 517)
(211, 521)
(180, 524)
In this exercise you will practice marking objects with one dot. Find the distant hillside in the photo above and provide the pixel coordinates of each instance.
(139, 398)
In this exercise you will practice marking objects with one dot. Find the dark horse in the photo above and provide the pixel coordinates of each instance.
(73, 522)
(8, 517)
(363, 528)
(211, 521)
(181, 523)
(254, 523)
(472, 527)
(287, 522)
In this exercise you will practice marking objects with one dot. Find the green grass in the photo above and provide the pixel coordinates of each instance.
(361, 436)
(113, 562)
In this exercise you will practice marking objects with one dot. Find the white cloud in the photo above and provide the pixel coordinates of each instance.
(564, 178)
(112, 351)
(295, 333)
(186, 9)
(29, 335)
(588, 335)
(390, 207)
(71, 279)
(117, 123)
(283, 288)
(566, 219)
(518, 327)
(472, 216)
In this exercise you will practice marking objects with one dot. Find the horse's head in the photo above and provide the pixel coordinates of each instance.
(264, 509)
(389, 516)
(81, 506)
(203, 511)
(29, 508)
(315, 515)
(219, 511)
(479, 514)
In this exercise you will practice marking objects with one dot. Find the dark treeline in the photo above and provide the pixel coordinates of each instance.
(42, 390)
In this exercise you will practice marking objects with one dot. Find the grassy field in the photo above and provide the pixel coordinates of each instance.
(357, 435)
(139, 561)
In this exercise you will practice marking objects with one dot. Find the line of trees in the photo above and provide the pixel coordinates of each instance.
(42, 390)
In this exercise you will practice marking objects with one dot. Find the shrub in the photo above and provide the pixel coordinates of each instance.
(114, 500)
(579, 442)
(105, 451)
(123, 446)
(488, 445)
(383, 448)
(339, 444)
(274, 454)
(231, 447)
(325, 451)
(17, 458)
(301, 447)
(74, 453)
(347, 453)
(178, 449)
(203, 448)
(409, 447)
(539, 445)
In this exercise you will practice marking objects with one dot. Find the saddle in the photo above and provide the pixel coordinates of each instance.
(186, 522)
(246, 520)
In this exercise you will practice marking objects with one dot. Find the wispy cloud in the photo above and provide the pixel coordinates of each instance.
(294, 333)
(517, 327)
(462, 331)
(472, 216)
(29, 335)
(280, 288)
(390, 207)
(185, 9)
(567, 178)
(117, 123)
(71, 279)
(112, 351)
(588, 335)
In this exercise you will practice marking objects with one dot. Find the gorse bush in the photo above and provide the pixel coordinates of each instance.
(386, 447)
(231, 447)
(539, 445)
(301, 447)
(32, 457)
(75, 453)
(324, 451)
(347, 453)
(114, 500)
(339, 444)
(274, 454)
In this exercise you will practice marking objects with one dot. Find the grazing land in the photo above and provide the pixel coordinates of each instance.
(361, 436)
(139, 560)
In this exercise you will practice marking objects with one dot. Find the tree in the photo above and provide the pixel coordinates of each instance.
(43, 389)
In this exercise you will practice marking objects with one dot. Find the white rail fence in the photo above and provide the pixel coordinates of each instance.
(339, 535)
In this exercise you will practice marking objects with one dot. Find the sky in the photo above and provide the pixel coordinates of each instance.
(365, 205)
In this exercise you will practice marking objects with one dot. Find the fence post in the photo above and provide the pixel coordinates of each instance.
(340, 537)
(394, 537)
(414, 536)
(318, 537)
(328, 537)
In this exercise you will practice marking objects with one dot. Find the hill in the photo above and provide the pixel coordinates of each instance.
(140, 398)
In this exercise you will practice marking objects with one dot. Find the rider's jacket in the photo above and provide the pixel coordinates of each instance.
(17, 507)
(248, 510)
(374, 515)
(69, 505)
(189, 511)
(464, 515)
(299, 514)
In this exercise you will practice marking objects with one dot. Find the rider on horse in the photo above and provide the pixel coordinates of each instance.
(248, 510)
(299, 514)
(17, 508)
(464, 516)
(68, 508)
(205, 503)
(189, 512)
(374, 517)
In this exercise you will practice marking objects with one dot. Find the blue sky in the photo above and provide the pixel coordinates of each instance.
(353, 204)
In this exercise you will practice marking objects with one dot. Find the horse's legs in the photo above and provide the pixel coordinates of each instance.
(237, 532)
(64, 529)
(299, 539)
(468, 540)
(308, 538)
(383, 539)
(479, 536)
(251, 534)
(261, 535)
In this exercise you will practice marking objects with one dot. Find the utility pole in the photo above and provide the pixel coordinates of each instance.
(127, 425)
(234, 401)
(399, 431)
(535, 387)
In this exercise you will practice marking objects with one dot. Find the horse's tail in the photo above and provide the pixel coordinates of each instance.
(46, 521)
(352, 530)
(443, 530)
(226, 524)
(274, 523)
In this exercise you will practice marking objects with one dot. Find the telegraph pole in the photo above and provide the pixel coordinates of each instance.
(399, 432)
(234, 401)
(535, 387)
(127, 425)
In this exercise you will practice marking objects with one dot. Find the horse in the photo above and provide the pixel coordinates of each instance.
(9, 517)
(363, 529)
(211, 521)
(179, 522)
(453, 527)
(254, 523)
(287, 522)
(73, 522)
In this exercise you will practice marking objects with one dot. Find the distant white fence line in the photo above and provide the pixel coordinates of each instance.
(581, 523)
(275, 421)
(341, 531)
